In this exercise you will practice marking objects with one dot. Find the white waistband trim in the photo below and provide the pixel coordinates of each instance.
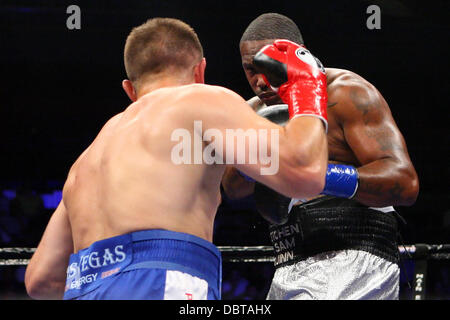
(383, 209)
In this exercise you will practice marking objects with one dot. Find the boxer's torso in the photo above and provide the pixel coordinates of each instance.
(126, 180)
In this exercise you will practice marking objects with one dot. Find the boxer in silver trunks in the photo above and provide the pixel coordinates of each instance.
(343, 244)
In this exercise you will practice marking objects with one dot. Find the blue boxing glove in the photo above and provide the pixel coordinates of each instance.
(341, 181)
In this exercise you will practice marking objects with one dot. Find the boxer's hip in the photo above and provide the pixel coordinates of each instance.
(329, 224)
(131, 266)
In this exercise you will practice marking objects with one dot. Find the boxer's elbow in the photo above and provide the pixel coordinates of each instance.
(45, 290)
(311, 171)
(32, 285)
(314, 177)
(403, 185)
(40, 288)
(308, 181)
(308, 165)
(35, 287)
(411, 189)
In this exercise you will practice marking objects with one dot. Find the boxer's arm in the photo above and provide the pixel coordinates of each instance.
(234, 184)
(298, 152)
(45, 275)
(386, 175)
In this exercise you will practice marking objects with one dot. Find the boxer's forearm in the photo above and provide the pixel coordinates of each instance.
(385, 182)
(46, 273)
(46, 290)
(307, 154)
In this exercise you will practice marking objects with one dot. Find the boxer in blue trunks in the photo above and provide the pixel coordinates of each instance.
(137, 214)
(178, 266)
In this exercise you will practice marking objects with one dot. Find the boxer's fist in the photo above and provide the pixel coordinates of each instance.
(297, 76)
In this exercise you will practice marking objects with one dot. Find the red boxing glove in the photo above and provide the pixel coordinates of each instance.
(297, 76)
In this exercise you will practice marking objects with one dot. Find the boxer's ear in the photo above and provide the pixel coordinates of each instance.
(199, 71)
(129, 90)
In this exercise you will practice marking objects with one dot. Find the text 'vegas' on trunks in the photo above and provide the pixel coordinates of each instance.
(96, 259)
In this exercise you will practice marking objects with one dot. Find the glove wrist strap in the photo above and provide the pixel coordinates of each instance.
(341, 181)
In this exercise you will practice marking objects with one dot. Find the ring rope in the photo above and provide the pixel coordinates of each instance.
(14, 262)
(264, 253)
(17, 250)
(245, 248)
(420, 253)
(433, 248)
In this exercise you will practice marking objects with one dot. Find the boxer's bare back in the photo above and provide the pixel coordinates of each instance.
(125, 181)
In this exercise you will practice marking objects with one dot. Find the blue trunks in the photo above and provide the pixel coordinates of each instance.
(151, 264)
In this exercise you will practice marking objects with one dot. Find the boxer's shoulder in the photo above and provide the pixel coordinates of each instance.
(340, 81)
(112, 122)
(190, 99)
(196, 92)
(206, 90)
(349, 94)
(203, 99)
(182, 105)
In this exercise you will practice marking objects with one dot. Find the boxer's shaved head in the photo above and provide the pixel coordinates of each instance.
(272, 26)
(161, 45)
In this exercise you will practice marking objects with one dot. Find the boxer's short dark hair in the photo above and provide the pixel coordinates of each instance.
(161, 44)
(272, 26)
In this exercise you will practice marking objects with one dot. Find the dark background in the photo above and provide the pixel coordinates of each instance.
(58, 87)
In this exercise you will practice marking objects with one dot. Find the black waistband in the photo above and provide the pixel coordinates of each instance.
(331, 224)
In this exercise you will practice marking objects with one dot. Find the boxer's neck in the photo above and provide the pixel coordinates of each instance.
(162, 82)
